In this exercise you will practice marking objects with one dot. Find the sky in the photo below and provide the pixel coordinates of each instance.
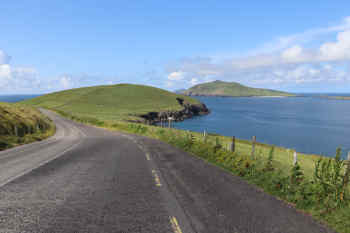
(297, 46)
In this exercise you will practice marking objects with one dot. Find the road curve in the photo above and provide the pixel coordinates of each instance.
(91, 180)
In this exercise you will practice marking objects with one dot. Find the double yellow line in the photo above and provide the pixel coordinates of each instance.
(175, 225)
(173, 221)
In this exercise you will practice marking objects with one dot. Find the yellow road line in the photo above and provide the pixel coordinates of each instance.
(156, 178)
(175, 225)
(148, 157)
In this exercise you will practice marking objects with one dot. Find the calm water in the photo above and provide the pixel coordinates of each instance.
(307, 124)
(15, 98)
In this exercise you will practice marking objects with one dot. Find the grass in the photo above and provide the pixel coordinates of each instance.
(22, 124)
(220, 88)
(117, 102)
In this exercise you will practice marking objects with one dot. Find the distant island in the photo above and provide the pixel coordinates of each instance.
(234, 89)
(336, 97)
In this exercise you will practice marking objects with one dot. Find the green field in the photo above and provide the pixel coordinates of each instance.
(22, 124)
(109, 103)
(220, 88)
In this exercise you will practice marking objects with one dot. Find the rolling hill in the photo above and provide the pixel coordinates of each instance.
(120, 102)
(220, 88)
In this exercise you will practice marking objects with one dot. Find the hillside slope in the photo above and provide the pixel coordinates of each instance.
(21, 124)
(120, 102)
(220, 88)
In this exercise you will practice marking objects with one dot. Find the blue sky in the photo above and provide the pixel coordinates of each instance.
(295, 46)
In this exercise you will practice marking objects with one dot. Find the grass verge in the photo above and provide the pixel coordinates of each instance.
(315, 185)
(22, 124)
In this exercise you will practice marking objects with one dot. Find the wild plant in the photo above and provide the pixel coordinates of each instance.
(269, 162)
(218, 145)
(330, 178)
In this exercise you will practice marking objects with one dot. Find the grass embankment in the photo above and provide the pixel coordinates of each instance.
(22, 124)
(220, 88)
(117, 102)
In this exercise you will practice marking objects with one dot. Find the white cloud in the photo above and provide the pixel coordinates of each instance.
(194, 81)
(292, 54)
(176, 76)
(66, 82)
(5, 71)
(4, 58)
(285, 42)
(339, 50)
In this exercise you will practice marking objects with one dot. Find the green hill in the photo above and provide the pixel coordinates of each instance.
(117, 102)
(220, 88)
(22, 124)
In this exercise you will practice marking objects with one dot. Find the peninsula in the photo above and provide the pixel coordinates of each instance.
(234, 89)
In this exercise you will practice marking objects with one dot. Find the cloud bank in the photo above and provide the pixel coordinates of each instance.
(284, 63)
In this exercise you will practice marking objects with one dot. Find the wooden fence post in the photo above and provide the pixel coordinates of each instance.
(233, 144)
(170, 118)
(16, 130)
(253, 146)
(347, 172)
(205, 136)
(295, 159)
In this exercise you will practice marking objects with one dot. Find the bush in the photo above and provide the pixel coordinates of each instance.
(330, 179)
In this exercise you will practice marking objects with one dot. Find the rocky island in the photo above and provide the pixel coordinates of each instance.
(234, 89)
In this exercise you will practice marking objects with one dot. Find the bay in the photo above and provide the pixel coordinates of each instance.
(15, 98)
(307, 124)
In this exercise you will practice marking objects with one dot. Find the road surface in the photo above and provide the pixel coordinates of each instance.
(91, 180)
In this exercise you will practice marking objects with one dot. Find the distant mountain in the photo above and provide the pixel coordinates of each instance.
(221, 88)
(180, 91)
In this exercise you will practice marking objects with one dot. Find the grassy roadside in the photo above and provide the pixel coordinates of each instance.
(321, 192)
(22, 124)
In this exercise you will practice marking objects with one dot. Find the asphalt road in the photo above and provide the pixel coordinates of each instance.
(88, 180)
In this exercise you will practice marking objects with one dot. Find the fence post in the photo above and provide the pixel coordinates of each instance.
(170, 118)
(205, 136)
(16, 131)
(233, 146)
(295, 160)
(347, 172)
(253, 146)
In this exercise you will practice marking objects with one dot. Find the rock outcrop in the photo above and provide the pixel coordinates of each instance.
(188, 111)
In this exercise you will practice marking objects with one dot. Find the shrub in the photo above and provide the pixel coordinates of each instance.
(330, 177)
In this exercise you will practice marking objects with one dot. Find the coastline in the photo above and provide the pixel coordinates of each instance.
(188, 111)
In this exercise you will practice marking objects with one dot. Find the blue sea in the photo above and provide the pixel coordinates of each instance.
(15, 98)
(308, 124)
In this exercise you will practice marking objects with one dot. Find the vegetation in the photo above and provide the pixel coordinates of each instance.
(21, 124)
(117, 102)
(220, 88)
(314, 184)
